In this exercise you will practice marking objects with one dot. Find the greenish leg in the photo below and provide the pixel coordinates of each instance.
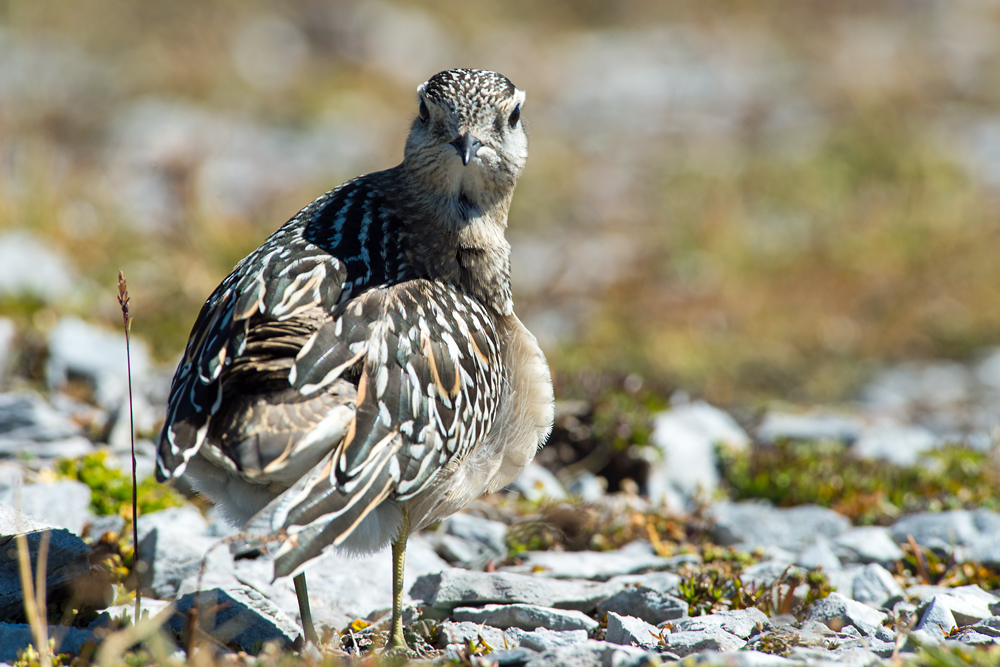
(307, 618)
(398, 558)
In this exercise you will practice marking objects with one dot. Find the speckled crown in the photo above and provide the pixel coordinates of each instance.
(477, 85)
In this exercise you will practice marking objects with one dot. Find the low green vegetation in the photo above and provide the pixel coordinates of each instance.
(111, 487)
(867, 491)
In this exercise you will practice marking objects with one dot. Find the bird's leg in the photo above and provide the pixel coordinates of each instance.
(307, 618)
(396, 640)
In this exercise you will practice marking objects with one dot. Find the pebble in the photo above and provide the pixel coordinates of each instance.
(871, 584)
(525, 617)
(752, 524)
(536, 484)
(36, 500)
(901, 445)
(692, 641)
(838, 611)
(462, 632)
(172, 544)
(97, 355)
(68, 565)
(30, 266)
(687, 437)
(811, 425)
(592, 653)
(650, 605)
(15, 637)
(867, 544)
(742, 623)
(634, 558)
(631, 631)
(545, 640)
(936, 619)
(451, 588)
(937, 530)
(29, 426)
(7, 332)
(235, 618)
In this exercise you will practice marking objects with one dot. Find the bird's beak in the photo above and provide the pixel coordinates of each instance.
(467, 146)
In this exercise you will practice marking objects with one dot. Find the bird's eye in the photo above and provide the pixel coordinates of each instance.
(515, 116)
(424, 113)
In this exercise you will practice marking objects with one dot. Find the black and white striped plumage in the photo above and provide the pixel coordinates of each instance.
(366, 359)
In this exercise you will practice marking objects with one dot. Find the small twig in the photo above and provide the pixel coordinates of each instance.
(123, 299)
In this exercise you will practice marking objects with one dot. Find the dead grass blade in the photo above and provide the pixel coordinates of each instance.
(34, 595)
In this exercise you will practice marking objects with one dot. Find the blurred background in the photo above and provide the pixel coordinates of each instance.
(745, 201)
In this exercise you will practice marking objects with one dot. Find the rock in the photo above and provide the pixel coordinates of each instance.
(587, 486)
(547, 640)
(341, 587)
(631, 631)
(867, 544)
(937, 529)
(536, 484)
(688, 642)
(593, 654)
(463, 632)
(936, 619)
(452, 588)
(512, 657)
(819, 554)
(965, 609)
(745, 658)
(742, 623)
(973, 638)
(15, 637)
(172, 545)
(650, 605)
(97, 355)
(931, 387)
(664, 582)
(490, 534)
(30, 266)
(633, 558)
(873, 585)
(756, 524)
(988, 626)
(64, 504)
(766, 572)
(813, 425)
(67, 565)
(469, 541)
(7, 333)
(901, 445)
(458, 551)
(687, 437)
(235, 618)
(526, 617)
(838, 611)
(30, 426)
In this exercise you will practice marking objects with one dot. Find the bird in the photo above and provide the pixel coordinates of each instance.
(362, 373)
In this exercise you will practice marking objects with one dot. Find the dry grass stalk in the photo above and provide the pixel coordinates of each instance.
(123, 301)
(34, 596)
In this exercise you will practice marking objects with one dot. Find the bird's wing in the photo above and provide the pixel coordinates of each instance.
(231, 389)
(428, 390)
(245, 340)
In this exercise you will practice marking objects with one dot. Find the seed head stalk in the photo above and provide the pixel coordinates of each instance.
(123, 300)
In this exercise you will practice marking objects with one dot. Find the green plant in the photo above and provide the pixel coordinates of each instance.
(111, 489)
(867, 491)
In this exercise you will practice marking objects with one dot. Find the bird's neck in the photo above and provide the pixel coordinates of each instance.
(459, 239)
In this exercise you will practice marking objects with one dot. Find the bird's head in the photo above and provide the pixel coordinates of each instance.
(468, 140)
